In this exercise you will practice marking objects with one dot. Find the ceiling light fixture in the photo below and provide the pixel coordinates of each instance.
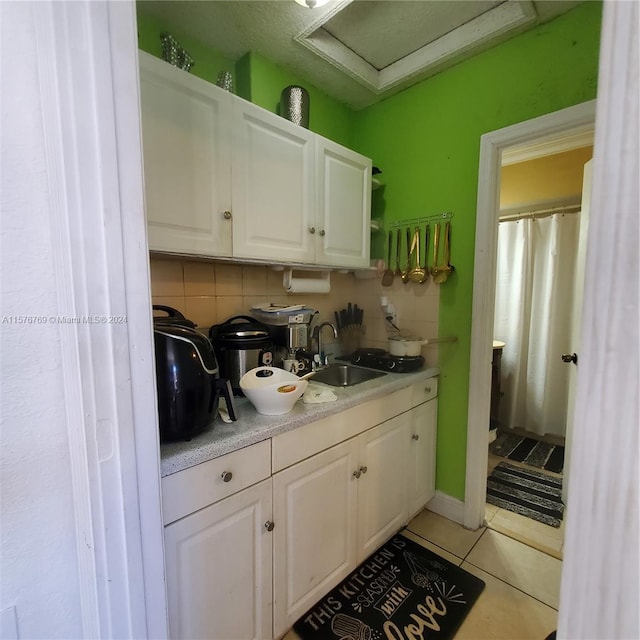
(311, 4)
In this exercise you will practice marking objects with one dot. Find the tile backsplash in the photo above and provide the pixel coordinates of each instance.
(210, 292)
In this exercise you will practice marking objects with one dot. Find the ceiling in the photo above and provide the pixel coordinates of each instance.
(357, 51)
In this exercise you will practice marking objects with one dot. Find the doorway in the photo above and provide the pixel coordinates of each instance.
(560, 131)
(538, 241)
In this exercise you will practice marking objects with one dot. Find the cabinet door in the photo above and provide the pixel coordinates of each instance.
(344, 205)
(315, 534)
(422, 455)
(382, 487)
(218, 563)
(187, 164)
(273, 186)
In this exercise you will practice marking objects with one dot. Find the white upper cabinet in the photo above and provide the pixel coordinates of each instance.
(344, 205)
(187, 160)
(273, 186)
(225, 178)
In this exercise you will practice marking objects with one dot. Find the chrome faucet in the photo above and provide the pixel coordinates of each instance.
(317, 335)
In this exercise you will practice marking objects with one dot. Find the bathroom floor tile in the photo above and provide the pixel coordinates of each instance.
(446, 534)
(502, 612)
(535, 534)
(527, 569)
(489, 512)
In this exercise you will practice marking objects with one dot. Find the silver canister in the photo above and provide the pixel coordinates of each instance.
(225, 81)
(294, 105)
(174, 53)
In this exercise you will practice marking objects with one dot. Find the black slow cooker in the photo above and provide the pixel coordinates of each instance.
(241, 343)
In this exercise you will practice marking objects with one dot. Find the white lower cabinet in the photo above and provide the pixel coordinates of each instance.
(332, 511)
(422, 448)
(248, 554)
(219, 569)
(382, 494)
(315, 507)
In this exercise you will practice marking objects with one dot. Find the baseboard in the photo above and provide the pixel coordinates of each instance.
(447, 506)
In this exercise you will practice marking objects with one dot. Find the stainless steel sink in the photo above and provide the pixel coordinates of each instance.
(343, 375)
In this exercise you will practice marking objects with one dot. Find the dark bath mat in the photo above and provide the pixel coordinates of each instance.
(529, 493)
(401, 590)
(529, 451)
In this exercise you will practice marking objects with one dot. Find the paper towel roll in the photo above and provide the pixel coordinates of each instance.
(306, 285)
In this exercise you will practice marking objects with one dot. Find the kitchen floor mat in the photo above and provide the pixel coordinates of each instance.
(401, 590)
(530, 493)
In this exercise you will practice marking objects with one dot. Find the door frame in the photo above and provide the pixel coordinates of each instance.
(561, 130)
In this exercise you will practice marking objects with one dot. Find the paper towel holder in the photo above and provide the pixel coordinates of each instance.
(321, 284)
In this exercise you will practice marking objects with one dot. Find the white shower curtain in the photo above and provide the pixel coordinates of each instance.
(534, 298)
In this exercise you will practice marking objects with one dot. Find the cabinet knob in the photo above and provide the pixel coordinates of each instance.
(227, 215)
(312, 230)
(322, 232)
(268, 525)
(357, 474)
(226, 476)
(427, 389)
(363, 469)
(415, 436)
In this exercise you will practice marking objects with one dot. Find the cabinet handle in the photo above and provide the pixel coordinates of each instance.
(312, 230)
(427, 389)
(227, 215)
(357, 474)
(363, 469)
(415, 436)
(268, 525)
(322, 232)
(226, 476)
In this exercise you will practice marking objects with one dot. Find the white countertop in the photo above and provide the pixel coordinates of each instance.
(251, 427)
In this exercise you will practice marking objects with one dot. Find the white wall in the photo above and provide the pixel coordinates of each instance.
(38, 545)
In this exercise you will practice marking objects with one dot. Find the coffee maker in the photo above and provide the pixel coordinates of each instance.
(290, 331)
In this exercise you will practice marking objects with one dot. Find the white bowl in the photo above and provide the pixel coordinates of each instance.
(272, 391)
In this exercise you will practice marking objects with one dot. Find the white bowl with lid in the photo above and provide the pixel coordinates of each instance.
(272, 391)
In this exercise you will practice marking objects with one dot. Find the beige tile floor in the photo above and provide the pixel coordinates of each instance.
(520, 599)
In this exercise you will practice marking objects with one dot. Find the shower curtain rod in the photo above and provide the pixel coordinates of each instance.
(541, 213)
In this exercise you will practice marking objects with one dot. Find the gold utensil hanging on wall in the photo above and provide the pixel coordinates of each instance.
(398, 251)
(436, 246)
(443, 270)
(405, 273)
(387, 276)
(425, 277)
(418, 273)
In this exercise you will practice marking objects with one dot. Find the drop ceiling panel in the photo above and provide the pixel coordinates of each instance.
(384, 32)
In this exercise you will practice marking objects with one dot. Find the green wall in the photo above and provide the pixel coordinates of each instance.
(427, 141)
(256, 79)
